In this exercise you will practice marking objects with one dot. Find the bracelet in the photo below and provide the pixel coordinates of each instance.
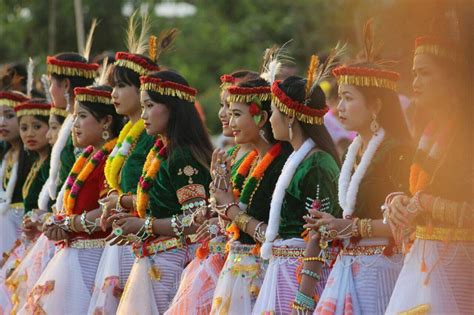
(365, 228)
(113, 190)
(241, 220)
(320, 259)
(355, 227)
(311, 274)
(192, 205)
(134, 202)
(259, 234)
(177, 226)
(72, 225)
(119, 201)
(230, 205)
(305, 301)
(149, 225)
(84, 223)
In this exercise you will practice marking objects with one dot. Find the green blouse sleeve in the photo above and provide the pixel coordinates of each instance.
(132, 168)
(179, 179)
(67, 161)
(388, 172)
(30, 201)
(315, 178)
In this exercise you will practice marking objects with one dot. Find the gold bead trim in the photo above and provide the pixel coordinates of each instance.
(444, 234)
(312, 120)
(69, 71)
(367, 81)
(94, 99)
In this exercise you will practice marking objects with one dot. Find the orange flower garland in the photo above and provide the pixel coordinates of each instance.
(81, 170)
(150, 170)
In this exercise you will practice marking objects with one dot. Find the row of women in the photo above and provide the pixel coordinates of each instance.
(102, 217)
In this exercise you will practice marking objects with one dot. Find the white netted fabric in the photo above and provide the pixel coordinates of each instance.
(114, 268)
(10, 228)
(445, 287)
(239, 281)
(30, 269)
(198, 283)
(65, 285)
(154, 294)
(360, 284)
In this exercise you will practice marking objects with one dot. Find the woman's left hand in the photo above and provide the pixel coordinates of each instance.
(322, 218)
(128, 224)
(220, 168)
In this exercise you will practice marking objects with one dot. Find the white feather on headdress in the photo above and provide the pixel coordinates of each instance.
(102, 79)
(138, 45)
(273, 59)
(45, 83)
(90, 36)
(29, 79)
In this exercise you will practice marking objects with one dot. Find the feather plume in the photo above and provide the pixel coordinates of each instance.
(104, 72)
(311, 75)
(368, 34)
(324, 70)
(273, 59)
(45, 83)
(90, 36)
(29, 78)
(138, 45)
(165, 41)
(152, 47)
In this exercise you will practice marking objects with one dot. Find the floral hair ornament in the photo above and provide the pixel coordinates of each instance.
(316, 74)
(75, 68)
(365, 76)
(168, 88)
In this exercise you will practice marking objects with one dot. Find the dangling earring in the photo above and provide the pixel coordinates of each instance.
(290, 130)
(374, 125)
(262, 135)
(68, 105)
(105, 134)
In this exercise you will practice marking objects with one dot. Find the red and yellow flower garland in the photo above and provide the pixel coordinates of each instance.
(81, 170)
(150, 170)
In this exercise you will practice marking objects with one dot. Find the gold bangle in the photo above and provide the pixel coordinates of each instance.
(119, 200)
(72, 226)
(369, 227)
(320, 259)
(113, 190)
(355, 227)
(241, 220)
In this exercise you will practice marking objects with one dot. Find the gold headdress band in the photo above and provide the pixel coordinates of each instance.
(168, 88)
(32, 108)
(11, 98)
(85, 94)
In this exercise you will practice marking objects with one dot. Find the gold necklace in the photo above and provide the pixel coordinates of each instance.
(31, 177)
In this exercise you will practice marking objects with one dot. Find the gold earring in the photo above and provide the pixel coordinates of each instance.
(290, 130)
(374, 125)
(105, 134)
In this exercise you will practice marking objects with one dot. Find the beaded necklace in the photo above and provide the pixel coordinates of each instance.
(31, 177)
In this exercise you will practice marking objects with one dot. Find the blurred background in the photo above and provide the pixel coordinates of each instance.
(219, 36)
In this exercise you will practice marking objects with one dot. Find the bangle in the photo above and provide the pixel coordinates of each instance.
(311, 274)
(259, 234)
(119, 201)
(84, 223)
(177, 226)
(72, 225)
(320, 259)
(111, 191)
(241, 220)
(355, 227)
(305, 301)
(149, 225)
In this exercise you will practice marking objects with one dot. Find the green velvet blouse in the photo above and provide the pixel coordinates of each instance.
(133, 166)
(177, 175)
(388, 172)
(30, 201)
(318, 169)
(67, 158)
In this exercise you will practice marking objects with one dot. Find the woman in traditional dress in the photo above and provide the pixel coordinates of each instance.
(308, 180)
(377, 162)
(172, 188)
(246, 200)
(123, 170)
(199, 279)
(65, 286)
(437, 275)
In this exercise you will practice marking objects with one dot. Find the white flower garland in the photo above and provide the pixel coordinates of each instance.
(287, 173)
(4, 206)
(348, 183)
(55, 165)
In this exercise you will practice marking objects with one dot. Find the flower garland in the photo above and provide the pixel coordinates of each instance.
(152, 165)
(348, 182)
(245, 186)
(81, 170)
(127, 137)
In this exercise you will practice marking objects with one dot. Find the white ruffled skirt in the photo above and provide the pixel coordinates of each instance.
(65, 286)
(446, 286)
(10, 228)
(239, 281)
(360, 284)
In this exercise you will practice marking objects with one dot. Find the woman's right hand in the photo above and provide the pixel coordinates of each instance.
(107, 205)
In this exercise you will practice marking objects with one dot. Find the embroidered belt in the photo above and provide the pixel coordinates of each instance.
(153, 247)
(241, 249)
(444, 234)
(288, 252)
(16, 205)
(217, 248)
(87, 243)
(363, 250)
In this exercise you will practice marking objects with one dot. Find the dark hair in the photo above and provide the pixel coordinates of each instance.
(185, 127)
(100, 111)
(99, 59)
(13, 71)
(75, 81)
(59, 118)
(266, 106)
(126, 75)
(294, 87)
(245, 75)
(390, 117)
